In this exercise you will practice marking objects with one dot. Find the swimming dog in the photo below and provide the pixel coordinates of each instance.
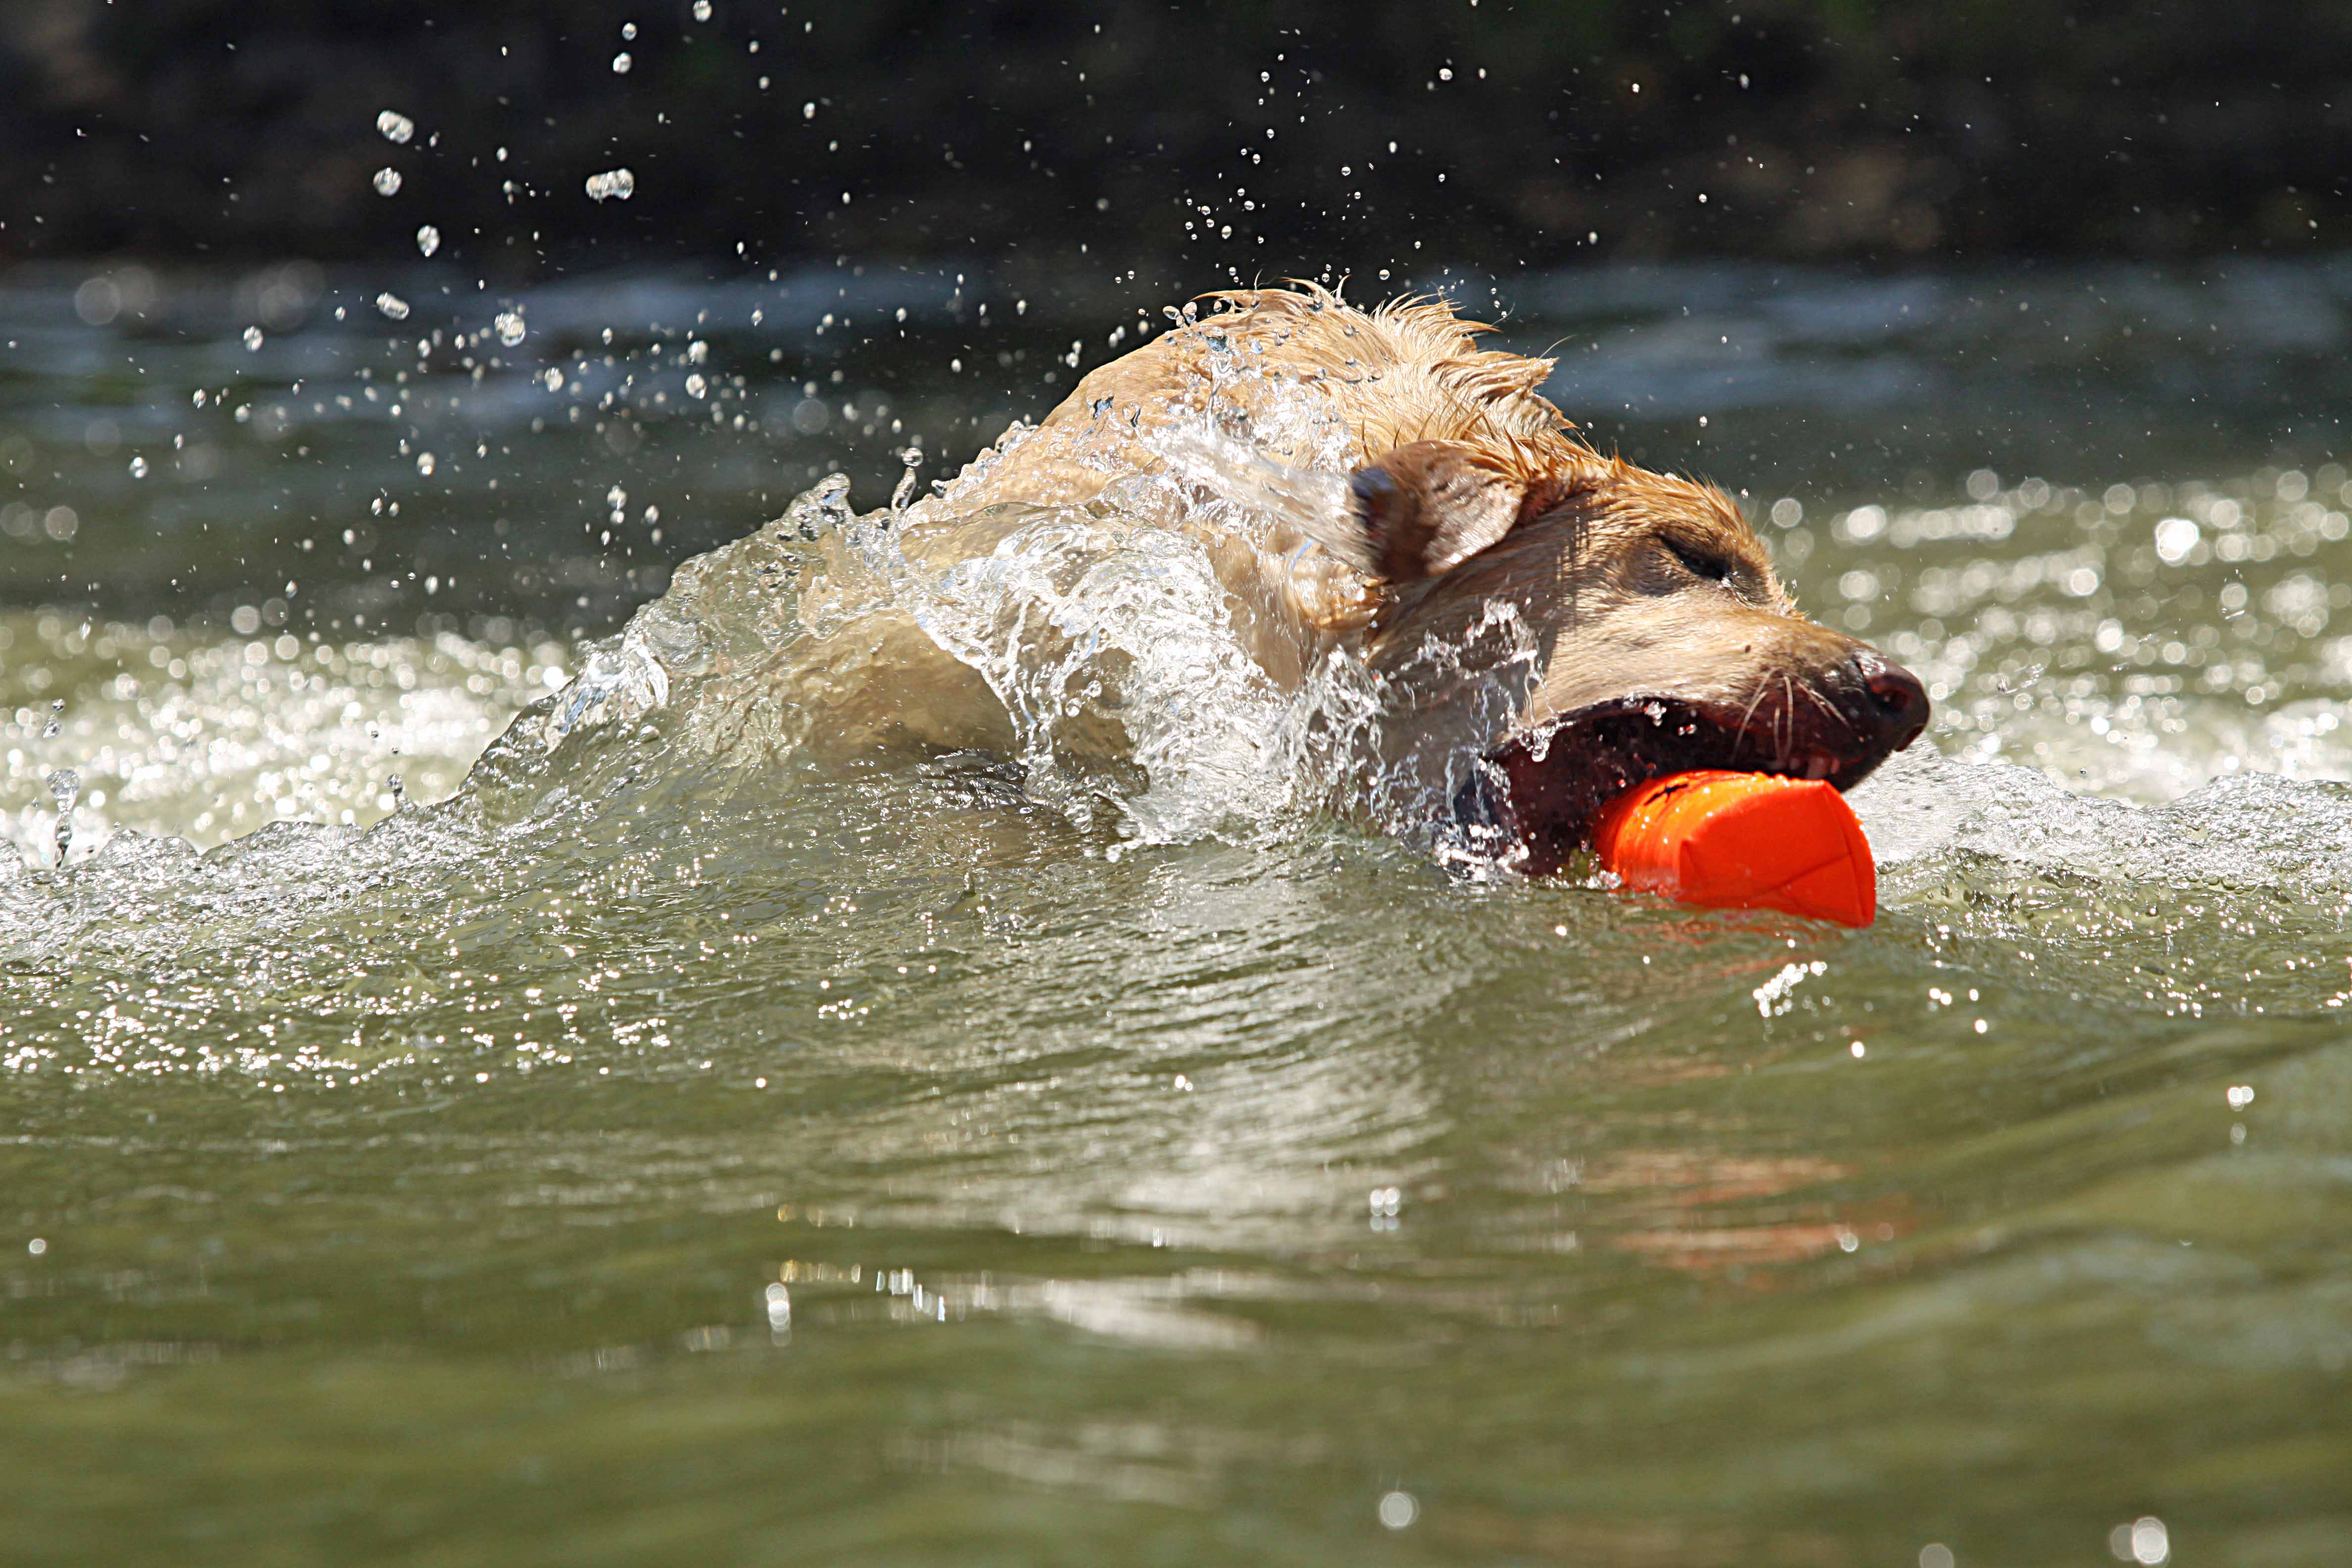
(1371, 486)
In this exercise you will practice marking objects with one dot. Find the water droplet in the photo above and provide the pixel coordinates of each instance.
(821, 509)
(614, 185)
(912, 457)
(429, 238)
(423, 462)
(702, 10)
(388, 181)
(395, 126)
(553, 377)
(49, 731)
(628, 29)
(65, 785)
(510, 326)
(696, 386)
(399, 790)
(621, 63)
(138, 468)
(253, 339)
(393, 306)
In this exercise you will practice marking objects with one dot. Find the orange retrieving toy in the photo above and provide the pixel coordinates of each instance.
(1742, 841)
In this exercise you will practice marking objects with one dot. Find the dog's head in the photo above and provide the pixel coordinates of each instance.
(1661, 638)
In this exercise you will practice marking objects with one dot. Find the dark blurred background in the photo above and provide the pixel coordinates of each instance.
(1885, 132)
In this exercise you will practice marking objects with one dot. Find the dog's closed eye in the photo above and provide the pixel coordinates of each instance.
(1699, 560)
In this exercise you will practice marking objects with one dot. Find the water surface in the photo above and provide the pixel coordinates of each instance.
(630, 1152)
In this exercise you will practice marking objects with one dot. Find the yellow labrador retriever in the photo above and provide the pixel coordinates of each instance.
(1376, 492)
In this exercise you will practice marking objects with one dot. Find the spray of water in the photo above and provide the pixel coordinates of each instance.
(65, 787)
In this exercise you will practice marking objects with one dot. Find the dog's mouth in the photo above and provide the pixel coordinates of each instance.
(1535, 800)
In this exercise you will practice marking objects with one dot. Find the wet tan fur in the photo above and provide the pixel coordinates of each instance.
(1585, 560)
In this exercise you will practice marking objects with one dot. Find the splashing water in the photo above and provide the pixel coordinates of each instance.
(65, 786)
(1111, 650)
(904, 491)
(209, 738)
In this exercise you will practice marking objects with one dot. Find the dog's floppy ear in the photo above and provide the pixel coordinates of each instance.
(1426, 507)
(1417, 512)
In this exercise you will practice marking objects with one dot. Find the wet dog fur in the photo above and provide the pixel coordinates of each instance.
(1661, 639)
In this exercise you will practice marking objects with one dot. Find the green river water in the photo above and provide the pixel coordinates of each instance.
(630, 1157)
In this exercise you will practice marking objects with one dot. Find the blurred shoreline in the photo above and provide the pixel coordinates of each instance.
(1224, 137)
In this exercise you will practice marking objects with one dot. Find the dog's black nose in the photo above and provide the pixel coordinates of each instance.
(1897, 700)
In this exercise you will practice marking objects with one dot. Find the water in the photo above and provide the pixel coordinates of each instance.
(665, 1140)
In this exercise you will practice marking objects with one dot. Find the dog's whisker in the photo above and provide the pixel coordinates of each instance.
(1747, 719)
(1814, 696)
